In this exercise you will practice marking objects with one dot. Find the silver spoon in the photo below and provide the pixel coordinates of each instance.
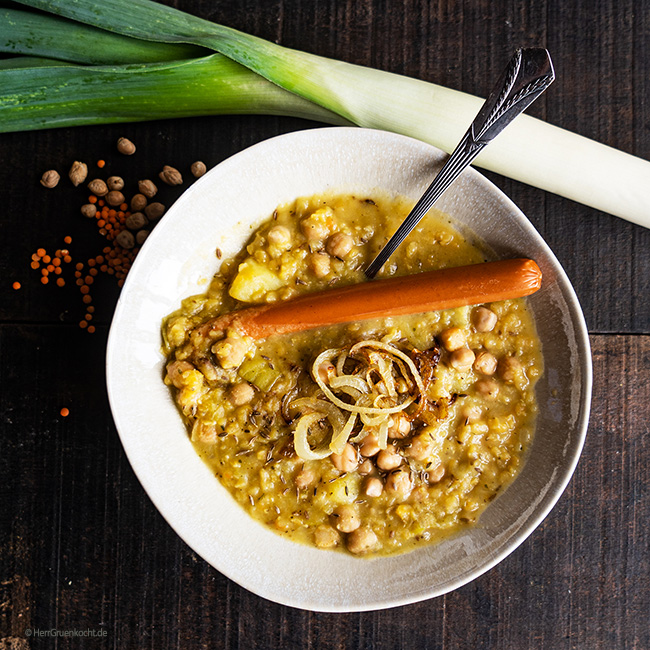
(527, 76)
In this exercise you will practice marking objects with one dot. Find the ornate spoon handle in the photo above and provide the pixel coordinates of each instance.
(526, 77)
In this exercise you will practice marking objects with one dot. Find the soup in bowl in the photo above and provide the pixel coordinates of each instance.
(404, 453)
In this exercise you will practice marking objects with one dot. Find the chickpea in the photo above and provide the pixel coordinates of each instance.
(347, 518)
(279, 236)
(399, 427)
(419, 495)
(241, 393)
(388, 459)
(485, 363)
(326, 537)
(369, 446)
(487, 388)
(452, 338)
(422, 445)
(347, 460)
(305, 478)
(373, 486)
(361, 540)
(230, 351)
(471, 413)
(399, 482)
(366, 467)
(462, 359)
(315, 227)
(175, 372)
(509, 368)
(320, 264)
(484, 319)
(339, 245)
(436, 474)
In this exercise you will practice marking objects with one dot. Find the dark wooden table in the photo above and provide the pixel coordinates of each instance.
(81, 545)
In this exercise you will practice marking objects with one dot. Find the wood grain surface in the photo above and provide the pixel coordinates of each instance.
(81, 545)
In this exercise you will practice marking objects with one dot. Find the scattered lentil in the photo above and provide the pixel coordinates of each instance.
(16, 285)
(64, 412)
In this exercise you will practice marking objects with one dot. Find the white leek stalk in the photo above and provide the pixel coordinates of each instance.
(530, 150)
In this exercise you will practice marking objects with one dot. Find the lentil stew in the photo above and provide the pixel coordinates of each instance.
(447, 401)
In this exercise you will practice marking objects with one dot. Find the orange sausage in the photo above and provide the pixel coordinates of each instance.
(410, 294)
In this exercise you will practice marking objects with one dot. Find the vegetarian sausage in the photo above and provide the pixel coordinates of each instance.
(411, 294)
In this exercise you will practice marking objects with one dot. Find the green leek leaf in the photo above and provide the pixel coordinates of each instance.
(44, 35)
(530, 150)
(51, 94)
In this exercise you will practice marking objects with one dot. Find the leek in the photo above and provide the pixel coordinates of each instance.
(24, 32)
(530, 150)
(43, 93)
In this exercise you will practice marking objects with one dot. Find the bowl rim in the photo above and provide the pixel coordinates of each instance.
(377, 602)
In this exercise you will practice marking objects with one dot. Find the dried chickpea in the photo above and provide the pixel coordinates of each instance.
(125, 146)
(114, 198)
(138, 202)
(78, 172)
(50, 179)
(154, 211)
(198, 168)
(125, 239)
(147, 188)
(115, 183)
(89, 210)
(98, 187)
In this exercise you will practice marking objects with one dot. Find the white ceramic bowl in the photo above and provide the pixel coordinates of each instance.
(178, 259)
